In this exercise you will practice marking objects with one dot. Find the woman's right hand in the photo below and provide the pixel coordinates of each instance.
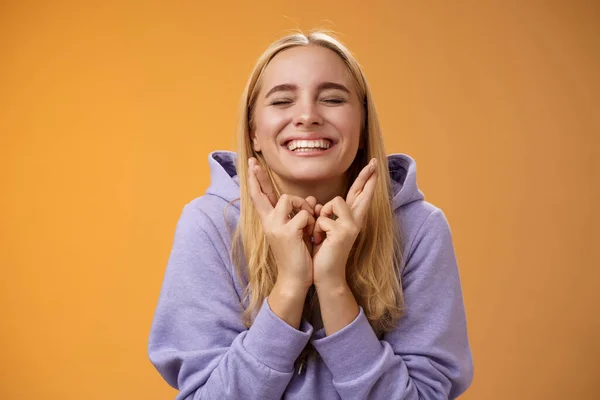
(288, 237)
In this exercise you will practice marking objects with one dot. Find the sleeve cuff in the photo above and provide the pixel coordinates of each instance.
(350, 351)
(275, 343)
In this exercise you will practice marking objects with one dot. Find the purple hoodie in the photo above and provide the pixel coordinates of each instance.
(200, 346)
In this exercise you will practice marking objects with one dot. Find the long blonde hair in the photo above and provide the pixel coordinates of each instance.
(374, 266)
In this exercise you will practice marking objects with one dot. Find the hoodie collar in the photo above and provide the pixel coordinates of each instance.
(225, 182)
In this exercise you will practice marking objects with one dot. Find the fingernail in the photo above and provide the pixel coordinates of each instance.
(250, 162)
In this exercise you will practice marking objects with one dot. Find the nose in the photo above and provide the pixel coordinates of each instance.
(307, 115)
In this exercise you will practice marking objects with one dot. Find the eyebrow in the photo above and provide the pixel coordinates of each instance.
(289, 87)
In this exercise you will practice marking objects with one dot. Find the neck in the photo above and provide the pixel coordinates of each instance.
(323, 191)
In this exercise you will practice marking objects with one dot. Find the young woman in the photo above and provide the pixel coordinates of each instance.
(312, 268)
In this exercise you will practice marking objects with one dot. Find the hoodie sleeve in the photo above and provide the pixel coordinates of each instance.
(427, 356)
(198, 342)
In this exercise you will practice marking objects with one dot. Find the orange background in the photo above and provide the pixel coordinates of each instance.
(108, 112)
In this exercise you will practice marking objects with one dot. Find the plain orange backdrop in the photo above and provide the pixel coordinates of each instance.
(108, 111)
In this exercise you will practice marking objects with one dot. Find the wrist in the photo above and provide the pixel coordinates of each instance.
(332, 287)
(289, 289)
(287, 302)
(338, 306)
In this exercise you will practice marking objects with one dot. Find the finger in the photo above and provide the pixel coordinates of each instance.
(318, 208)
(326, 210)
(312, 200)
(318, 232)
(323, 225)
(260, 201)
(337, 207)
(288, 203)
(324, 221)
(266, 186)
(364, 199)
(303, 221)
(361, 180)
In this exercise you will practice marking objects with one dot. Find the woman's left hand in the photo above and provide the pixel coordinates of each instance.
(333, 238)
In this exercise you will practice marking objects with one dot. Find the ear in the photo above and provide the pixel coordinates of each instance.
(255, 143)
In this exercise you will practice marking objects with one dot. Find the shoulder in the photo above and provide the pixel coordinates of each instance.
(214, 210)
(211, 217)
(421, 221)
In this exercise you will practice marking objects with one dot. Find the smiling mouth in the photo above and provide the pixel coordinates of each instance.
(304, 146)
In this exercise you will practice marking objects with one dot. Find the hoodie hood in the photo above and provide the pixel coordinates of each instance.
(224, 181)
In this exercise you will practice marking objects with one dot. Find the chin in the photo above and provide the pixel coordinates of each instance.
(312, 176)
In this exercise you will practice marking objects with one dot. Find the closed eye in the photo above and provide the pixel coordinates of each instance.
(329, 100)
(334, 100)
(280, 102)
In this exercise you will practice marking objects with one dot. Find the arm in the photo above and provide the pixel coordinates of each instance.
(198, 342)
(287, 302)
(338, 307)
(427, 356)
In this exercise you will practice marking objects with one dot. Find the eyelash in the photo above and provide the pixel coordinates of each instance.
(335, 100)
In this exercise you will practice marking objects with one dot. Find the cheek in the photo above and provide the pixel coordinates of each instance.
(268, 124)
(348, 124)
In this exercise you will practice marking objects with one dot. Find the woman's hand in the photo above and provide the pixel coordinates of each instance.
(286, 233)
(333, 238)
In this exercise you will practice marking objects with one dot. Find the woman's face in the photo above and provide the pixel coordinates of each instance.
(307, 118)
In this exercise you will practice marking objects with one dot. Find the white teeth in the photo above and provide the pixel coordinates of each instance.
(299, 145)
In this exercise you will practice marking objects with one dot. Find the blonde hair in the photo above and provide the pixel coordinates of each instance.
(374, 265)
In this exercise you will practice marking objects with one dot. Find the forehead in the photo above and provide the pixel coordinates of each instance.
(306, 66)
